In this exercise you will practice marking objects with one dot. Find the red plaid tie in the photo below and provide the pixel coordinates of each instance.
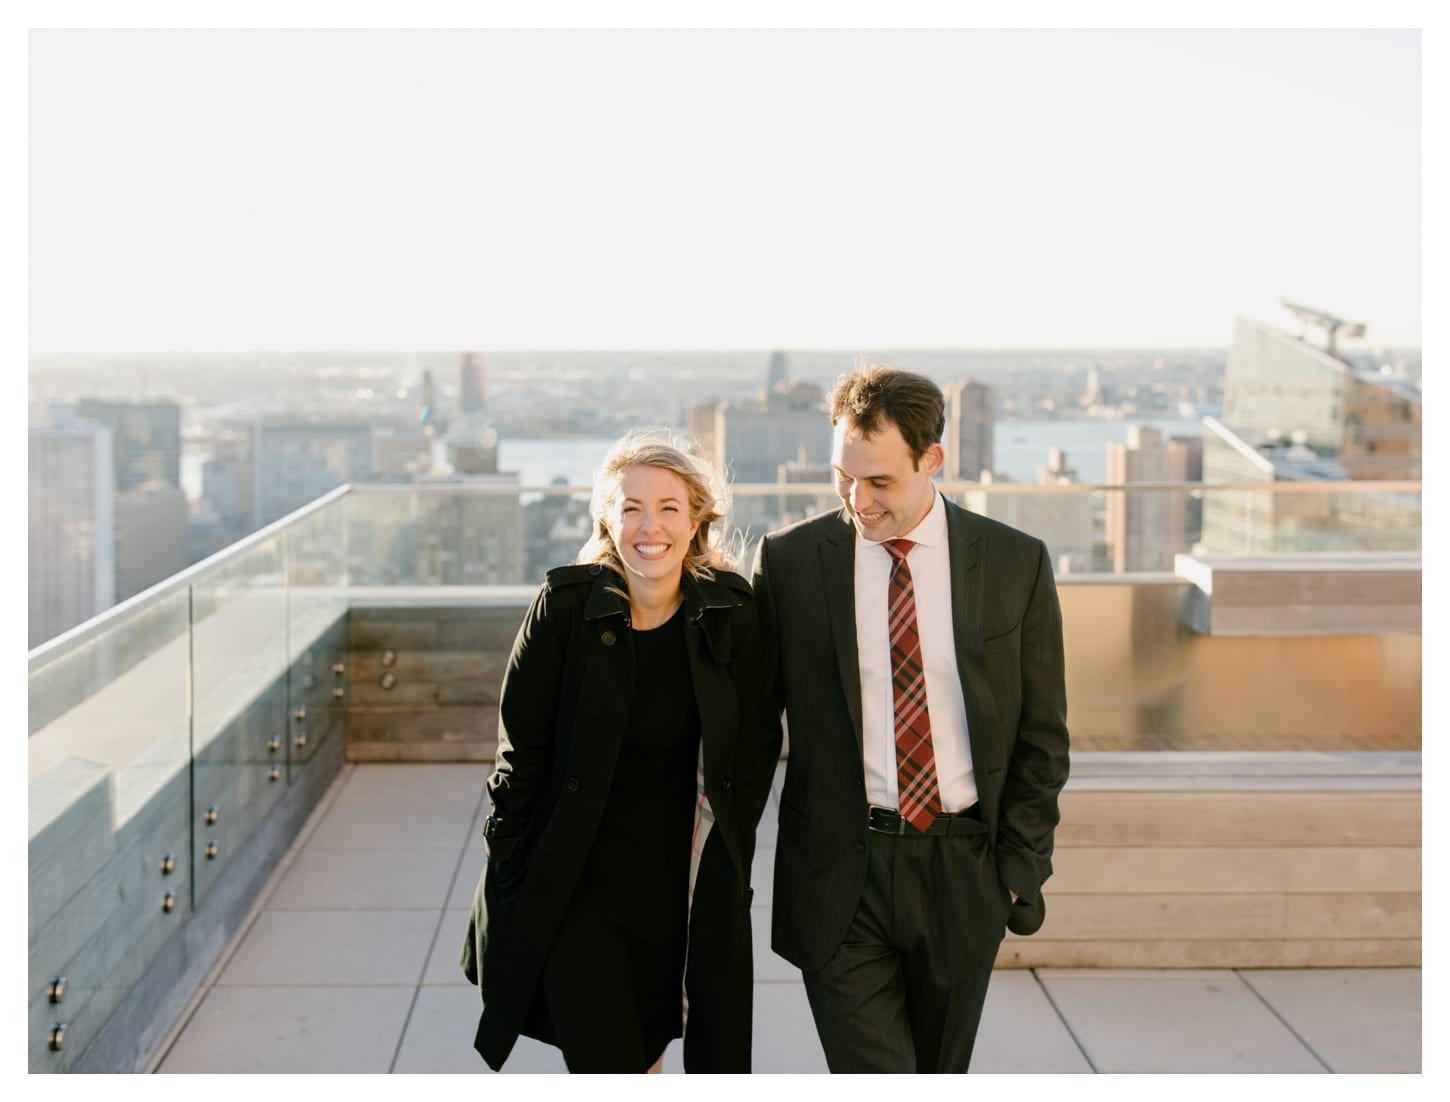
(917, 793)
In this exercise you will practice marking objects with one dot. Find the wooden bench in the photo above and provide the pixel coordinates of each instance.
(1233, 860)
(1367, 593)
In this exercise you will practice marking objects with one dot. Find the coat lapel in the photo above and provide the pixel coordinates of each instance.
(966, 550)
(838, 576)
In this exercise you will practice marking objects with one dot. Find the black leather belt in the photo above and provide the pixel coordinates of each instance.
(885, 820)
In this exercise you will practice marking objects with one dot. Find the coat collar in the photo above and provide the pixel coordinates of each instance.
(607, 596)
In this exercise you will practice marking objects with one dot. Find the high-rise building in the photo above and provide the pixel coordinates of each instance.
(752, 442)
(296, 462)
(1296, 410)
(146, 438)
(1146, 529)
(778, 373)
(72, 526)
(472, 388)
(700, 422)
(472, 442)
(1280, 388)
(223, 514)
(1063, 521)
(151, 536)
(401, 453)
(970, 416)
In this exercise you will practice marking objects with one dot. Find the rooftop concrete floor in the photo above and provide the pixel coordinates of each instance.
(349, 963)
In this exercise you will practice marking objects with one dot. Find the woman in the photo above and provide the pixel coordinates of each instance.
(616, 901)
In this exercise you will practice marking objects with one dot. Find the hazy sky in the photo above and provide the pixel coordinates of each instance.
(521, 189)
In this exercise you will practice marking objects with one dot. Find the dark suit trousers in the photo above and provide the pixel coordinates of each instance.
(904, 990)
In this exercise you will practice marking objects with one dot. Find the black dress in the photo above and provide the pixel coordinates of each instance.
(614, 978)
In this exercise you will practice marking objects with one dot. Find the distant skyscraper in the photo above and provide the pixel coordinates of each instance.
(754, 440)
(1280, 388)
(1063, 521)
(970, 416)
(151, 536)
(295, 462)
(72, 526)
(701, 425)
(1147, 528)
(1295, 410)
(778, 374)
(472, 390)
(146, 438)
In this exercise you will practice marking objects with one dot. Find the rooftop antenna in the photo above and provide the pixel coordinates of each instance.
(1327, 324)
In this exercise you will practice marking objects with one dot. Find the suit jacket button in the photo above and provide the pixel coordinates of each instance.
(725, 784)
(860, 847)
(573, 784)
(596, 570)
(607, 638)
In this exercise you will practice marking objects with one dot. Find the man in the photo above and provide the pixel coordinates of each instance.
(916, 650)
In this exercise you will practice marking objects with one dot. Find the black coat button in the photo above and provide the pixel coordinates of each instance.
(607, 638)
(573, 784)
(725, 784)
(860, 847)
(596, 570)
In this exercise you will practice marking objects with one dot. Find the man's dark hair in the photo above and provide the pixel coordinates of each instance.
(879, 394)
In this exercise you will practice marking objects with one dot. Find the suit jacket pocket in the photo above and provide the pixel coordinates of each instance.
(792, 823)
(1008, 642)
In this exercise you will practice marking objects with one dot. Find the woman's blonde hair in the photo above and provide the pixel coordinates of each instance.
(709, 499)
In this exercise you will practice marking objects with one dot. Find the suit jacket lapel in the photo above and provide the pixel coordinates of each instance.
(965, 550)
(838, 575)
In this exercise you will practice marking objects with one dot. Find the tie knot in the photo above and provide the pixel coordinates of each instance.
(898, 549)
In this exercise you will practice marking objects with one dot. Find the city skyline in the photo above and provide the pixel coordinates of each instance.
(658, 189)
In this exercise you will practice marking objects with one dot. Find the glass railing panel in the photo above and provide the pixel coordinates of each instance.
(316, 632)
(445, 535)
(240, 660)
(108, 801)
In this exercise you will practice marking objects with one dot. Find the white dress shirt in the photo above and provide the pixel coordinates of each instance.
(932, 584)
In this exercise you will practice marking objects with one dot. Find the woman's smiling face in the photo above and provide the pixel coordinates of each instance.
(650, 523)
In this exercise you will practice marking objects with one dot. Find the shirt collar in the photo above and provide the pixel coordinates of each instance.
(931, 532)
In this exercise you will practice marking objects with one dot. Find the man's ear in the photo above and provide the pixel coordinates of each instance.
(933, 458)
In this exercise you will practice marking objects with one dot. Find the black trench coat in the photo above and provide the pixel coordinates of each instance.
(562, 715)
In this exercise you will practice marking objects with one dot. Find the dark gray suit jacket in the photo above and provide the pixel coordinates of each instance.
(1008, 629)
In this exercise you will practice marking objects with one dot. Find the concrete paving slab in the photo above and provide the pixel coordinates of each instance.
(442, 966)
(392, 826)
(459, 785)
(373, 879)
(1146, 1021)
(1355, 1019)
(317, 948)
(465, 882)
(292, 1029)
(784, 1036)
(1021, 1032)
(439, 1039)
